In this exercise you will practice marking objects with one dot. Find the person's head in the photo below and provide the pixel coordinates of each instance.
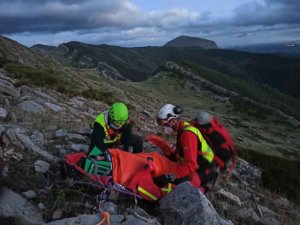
(118, 115)
(167, 117)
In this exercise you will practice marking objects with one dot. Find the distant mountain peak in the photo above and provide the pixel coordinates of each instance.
(186, 41)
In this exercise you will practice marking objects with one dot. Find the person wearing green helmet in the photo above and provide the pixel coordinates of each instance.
(111, 129)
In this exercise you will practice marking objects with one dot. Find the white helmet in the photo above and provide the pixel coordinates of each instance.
(167, 112)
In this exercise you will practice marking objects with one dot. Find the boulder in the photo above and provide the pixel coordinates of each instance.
(187, 205)
(14, 205)
(31, 106)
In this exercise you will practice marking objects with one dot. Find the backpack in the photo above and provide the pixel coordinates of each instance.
(217, 137)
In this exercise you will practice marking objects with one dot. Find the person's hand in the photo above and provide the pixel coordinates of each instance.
(164, 179)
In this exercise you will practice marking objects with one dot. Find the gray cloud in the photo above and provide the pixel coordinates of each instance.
(267, 13)
(122, 22)
(54, 16)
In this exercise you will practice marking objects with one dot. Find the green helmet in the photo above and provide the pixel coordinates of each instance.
(118, 113)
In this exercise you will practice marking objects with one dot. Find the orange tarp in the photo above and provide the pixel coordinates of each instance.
(126, 165)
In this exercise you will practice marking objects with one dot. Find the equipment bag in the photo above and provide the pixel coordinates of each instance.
(218, 138)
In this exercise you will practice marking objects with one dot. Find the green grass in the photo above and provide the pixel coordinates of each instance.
(278, 174)
(103, 96)
(43, 78)
(56, 80)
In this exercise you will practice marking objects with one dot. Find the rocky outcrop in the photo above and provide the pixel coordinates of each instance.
(186, 205)
(186, 41)
(110, 72)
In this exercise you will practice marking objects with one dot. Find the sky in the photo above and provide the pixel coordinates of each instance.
(132, 23)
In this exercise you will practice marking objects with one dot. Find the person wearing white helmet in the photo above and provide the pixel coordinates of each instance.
(193, 153)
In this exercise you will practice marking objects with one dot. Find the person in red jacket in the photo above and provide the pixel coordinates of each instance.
(193, 153)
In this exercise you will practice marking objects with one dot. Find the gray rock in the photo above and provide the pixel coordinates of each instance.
(29, 194)
(270, 221)
(17, 156)
(77, 102)
(80, 147)
(266, 212)
(295, 214)
(229, 196)
(54, 107)
(37, 138)
(62, 152)
(75, 137)
(244, 195)
(94, 219)
(249, 215)
(28, 144)
(12, 138)
(3, 114)
(41, 166)
(41, 206)
(14, 205)
(109, 207)
(57, 214)
(187, 205)
(32, 106)
(61, 133)
(282, 202)
(2, 129)
(25, 90)
(9, 90)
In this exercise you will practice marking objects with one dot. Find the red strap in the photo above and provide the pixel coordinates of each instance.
(219, 161)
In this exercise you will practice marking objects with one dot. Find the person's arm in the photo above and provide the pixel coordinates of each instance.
(189, 143)
(126, 132)
(97, 138)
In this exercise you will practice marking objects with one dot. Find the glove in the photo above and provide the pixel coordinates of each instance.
(162, 180)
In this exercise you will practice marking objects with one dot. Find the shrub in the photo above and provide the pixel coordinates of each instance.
(278, 174)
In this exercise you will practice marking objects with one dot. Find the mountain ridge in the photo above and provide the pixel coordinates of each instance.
(187, 41)
(138, 63)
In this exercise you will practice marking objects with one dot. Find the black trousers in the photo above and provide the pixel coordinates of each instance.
(134, 141)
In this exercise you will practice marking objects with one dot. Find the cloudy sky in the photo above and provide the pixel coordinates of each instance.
(132, 23)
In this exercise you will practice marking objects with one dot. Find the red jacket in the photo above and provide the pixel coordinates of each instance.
(188, 144)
